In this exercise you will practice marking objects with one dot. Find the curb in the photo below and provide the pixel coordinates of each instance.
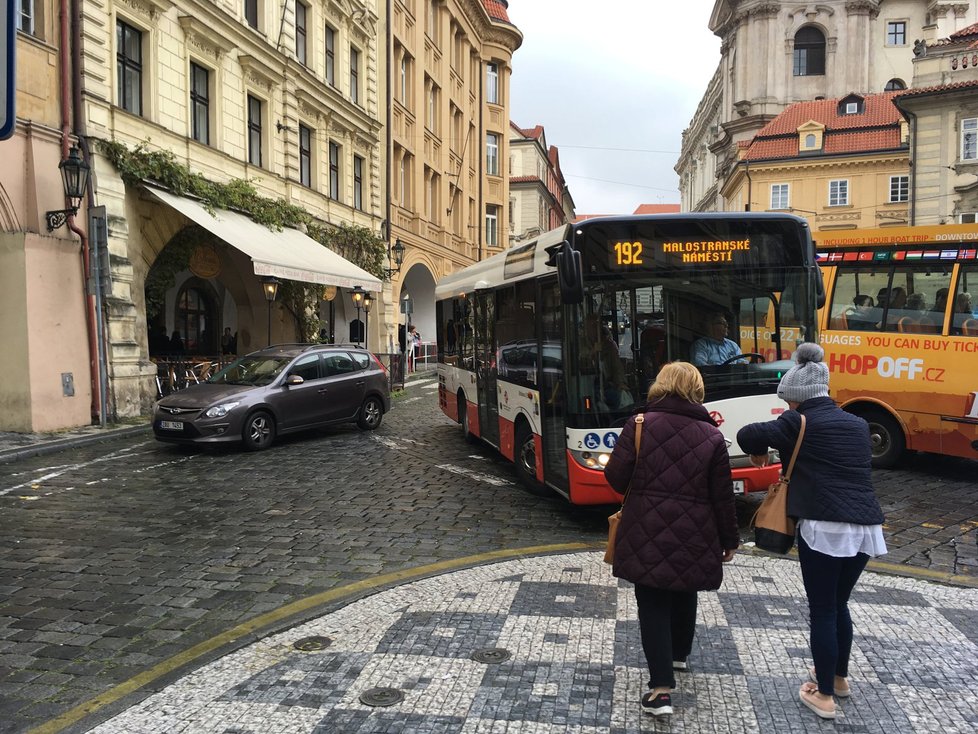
(60, 444)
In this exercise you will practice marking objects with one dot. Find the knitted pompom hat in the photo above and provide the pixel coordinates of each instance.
(807, 379)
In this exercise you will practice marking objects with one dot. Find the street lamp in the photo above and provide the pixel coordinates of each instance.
(395, 258)
(270, 285)
(357, 295)
(329, 293)
(74, 179)
(367, 303)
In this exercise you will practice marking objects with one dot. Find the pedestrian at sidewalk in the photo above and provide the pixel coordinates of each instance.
(678, 522)
(839, 518)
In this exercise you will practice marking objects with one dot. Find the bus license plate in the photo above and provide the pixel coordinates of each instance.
(738, 486)
(178, 426)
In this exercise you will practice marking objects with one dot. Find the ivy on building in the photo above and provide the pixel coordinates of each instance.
(141, 165)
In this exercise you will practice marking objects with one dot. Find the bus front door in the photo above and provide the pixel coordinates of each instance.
(485, 367)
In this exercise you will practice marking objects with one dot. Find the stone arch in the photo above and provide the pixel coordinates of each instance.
(8, 214)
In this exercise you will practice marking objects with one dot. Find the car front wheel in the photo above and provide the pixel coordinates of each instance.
(259, 431)
(371, 414)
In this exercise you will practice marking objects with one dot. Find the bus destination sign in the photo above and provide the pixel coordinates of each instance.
(639, 254)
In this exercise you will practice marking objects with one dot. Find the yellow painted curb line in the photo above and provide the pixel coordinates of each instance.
(112, 695)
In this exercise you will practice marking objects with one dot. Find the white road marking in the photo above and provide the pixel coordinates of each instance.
(477, 476)
(125, 453)
(430, 387)
(411, 400)
(421, 383)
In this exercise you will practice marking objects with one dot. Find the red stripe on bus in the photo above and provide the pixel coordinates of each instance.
(506, 440)
(588, 486)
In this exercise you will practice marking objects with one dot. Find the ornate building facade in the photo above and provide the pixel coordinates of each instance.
(539, 199)
(774, 54)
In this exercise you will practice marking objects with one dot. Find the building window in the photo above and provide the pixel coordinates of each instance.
(894, 85)
(192, 319)
(896, 33)
(969, 139)
(334, 171)
(431, 120)
(969, 218)
(251, 13)
(492, 225)
(839, 192)
(354, 75)
(254, 130)
(810, 140)
(25, 16)
(404, 78)
(301, 11)
(492, 83)
(331, 56)
(129, 57)
(358, 182)
(305, 155)
(899, 189)
(492, 154)
(432, 25)
(200, 103)
(852, 108)
(809, 59)
(779, 196)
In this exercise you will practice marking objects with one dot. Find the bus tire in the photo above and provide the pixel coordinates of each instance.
(463, 418)
(886, 437)
(525, 460)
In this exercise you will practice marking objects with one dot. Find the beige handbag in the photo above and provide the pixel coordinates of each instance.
(774, 531)
(613, 520)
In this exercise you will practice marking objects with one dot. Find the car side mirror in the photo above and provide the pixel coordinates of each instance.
(294, 380)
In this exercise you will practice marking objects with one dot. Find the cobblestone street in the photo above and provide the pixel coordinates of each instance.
(120, 555)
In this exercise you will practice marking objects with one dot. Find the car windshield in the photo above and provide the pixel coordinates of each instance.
(251, 370)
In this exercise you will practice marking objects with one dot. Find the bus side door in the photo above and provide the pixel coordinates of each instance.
(485, 366)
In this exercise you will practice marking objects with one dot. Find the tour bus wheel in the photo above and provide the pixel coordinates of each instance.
(886, 437)
(525, 460)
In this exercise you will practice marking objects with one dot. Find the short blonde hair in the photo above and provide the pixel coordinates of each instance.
(680, 379)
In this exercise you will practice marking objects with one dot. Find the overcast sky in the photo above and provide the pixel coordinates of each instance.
(614, 84)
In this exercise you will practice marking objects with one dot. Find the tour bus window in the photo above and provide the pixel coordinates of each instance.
(921, 309)
(964, 315)
(466, 343)
(855, 303)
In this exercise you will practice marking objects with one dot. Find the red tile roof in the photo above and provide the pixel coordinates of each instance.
(523, 179)
(971, 30)
(877, 128)
(937, 88)
(657, 209)
(497, 9)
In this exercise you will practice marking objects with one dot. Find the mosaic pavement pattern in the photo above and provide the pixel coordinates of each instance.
(576, 662)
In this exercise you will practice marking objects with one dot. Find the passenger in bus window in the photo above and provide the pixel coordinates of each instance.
(604, 361)
(940, 302)
(862, 317)
(962, 315)
(716, 348)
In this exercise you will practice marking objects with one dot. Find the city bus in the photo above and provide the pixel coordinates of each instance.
(546, 349)
(900, 331)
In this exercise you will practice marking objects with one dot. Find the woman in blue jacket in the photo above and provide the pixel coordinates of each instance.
(839, 519)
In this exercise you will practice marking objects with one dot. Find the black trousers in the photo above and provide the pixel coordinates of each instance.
(668, 622)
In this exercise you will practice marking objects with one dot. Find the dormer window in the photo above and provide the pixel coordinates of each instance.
(852, 105)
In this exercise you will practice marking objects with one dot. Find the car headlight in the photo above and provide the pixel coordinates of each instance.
(219, 411)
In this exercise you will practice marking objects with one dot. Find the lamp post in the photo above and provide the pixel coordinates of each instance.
(357, 295)
(74, 179)
(270, 285)
(395, 258)
(367, 303)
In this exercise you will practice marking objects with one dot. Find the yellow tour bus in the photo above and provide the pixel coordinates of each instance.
(900, 331)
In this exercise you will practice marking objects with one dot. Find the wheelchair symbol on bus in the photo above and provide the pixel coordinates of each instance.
(610, 439)
(592, 441)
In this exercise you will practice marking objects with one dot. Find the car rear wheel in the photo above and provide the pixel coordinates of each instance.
(259, 431)
(371, 413)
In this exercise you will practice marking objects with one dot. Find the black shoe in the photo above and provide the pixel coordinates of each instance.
(680, 665)
(661, 705)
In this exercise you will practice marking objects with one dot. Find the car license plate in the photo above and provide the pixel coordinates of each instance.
(738, 486)
(171, 425)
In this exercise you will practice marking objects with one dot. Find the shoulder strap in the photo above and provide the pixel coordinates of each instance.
(794, 454)
(639, 420)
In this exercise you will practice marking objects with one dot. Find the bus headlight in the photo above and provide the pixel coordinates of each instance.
(591, 459)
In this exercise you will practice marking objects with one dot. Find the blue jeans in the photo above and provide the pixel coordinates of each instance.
(828, 583)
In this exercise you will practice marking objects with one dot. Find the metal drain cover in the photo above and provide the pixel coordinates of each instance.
(381, 696)
(491, 655)
(312, 644)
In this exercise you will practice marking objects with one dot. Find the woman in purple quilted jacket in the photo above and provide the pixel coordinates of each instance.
(678, 523)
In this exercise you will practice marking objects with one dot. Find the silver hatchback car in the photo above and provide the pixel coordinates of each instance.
(277, 390)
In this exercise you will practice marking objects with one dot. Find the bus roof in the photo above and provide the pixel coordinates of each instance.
(941, 233)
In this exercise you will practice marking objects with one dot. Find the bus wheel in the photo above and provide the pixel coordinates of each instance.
(886, 438)
(463, 418)
(525, 460)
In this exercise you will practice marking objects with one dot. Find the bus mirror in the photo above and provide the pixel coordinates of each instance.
(819, 288)
(570, 275)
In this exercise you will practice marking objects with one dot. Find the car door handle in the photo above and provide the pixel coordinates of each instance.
(322, 390)
(360, 383)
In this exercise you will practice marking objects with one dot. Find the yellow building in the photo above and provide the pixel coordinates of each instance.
(449, 160)
(840, 163)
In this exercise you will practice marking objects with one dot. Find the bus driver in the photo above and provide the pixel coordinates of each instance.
(716, 348)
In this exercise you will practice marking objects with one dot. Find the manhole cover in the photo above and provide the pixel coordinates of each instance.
(381, 697)
(311, 644)
(491, 655)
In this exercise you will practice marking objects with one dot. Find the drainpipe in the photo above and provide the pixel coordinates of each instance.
(480, 216)
(912, 119)
(65, 77)
(389, 142)
(750, 185)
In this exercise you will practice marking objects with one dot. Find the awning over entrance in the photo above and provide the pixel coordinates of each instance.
(287, 253)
